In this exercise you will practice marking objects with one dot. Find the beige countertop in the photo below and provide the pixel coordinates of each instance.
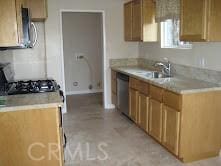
(31, 101)
(177, 84)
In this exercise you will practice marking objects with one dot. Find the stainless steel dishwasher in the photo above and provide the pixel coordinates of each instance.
(123, 93)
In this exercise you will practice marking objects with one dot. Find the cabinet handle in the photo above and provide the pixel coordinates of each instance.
(65, 140)
(35, 33)
(61, 116)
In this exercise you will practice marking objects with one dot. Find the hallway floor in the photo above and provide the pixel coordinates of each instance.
(106, 138)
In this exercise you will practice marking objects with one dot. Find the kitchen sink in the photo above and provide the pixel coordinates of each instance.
(156, 74)
(152, 74)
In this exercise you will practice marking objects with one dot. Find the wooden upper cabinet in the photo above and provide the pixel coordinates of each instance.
(38, 9)
(139, 22)
(214, 33)
(128, 21)
(10, 23)
(200, 20)
(149, 27)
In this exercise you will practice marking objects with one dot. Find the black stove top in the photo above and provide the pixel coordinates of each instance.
(26, 87)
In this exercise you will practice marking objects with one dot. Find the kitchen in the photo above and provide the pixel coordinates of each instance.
(133, 56)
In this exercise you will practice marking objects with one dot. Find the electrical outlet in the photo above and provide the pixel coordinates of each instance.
(79, 56)
(75, 83)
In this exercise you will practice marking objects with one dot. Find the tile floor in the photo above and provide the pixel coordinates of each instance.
(98, 137)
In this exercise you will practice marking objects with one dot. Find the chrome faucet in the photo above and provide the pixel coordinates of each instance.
(166, 68)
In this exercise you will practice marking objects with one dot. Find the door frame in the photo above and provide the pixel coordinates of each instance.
(104, 57)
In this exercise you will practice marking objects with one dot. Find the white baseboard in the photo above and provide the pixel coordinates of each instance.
(84, 92)
(110, 106)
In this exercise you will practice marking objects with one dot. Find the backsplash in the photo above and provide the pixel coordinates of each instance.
(28, 63)
(177, 69)
(124, 62)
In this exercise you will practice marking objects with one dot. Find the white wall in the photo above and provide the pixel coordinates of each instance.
(82, 35)
(202, 55)
(28, 63)
(115, 48)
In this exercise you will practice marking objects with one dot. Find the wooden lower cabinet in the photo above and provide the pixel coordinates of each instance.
(114, 88)
(134, 97)
(171, 129)
(114, 99)
(38, 9)
(187, 125)
(143, 112)
(155, 119)
(31, 138)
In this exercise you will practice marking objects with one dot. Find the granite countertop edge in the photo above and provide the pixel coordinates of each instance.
(29, 107)
(173, 88)
(31, 102)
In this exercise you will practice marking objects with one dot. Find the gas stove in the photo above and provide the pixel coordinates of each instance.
(32, 86)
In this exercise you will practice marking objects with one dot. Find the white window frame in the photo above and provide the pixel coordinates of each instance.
(165, 44)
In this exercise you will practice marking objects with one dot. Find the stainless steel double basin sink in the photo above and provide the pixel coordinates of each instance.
(151, 74)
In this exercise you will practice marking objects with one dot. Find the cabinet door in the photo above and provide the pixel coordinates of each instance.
(171, 129)
(133, 104)
(8, 24)
(155, 120)
(137, 21)
(150, 27)
(23, 130)
(114, 82)
(194, 20)
(143, 111)
(128, 21)
(38, 9)
(214, 33)
(62, 144)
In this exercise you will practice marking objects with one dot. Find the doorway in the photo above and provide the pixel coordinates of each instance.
(83, 54)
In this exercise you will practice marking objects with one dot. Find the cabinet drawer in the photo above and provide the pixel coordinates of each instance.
(144, 88)
(156, 93)
(134, 83)
(172, 100)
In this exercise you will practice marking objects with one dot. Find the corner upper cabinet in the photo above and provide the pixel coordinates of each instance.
(10, 23)
(139, 24)
(128, 21)
(200, 20)
(38, 9)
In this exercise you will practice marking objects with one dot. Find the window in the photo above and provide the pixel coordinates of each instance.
(170, 35)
